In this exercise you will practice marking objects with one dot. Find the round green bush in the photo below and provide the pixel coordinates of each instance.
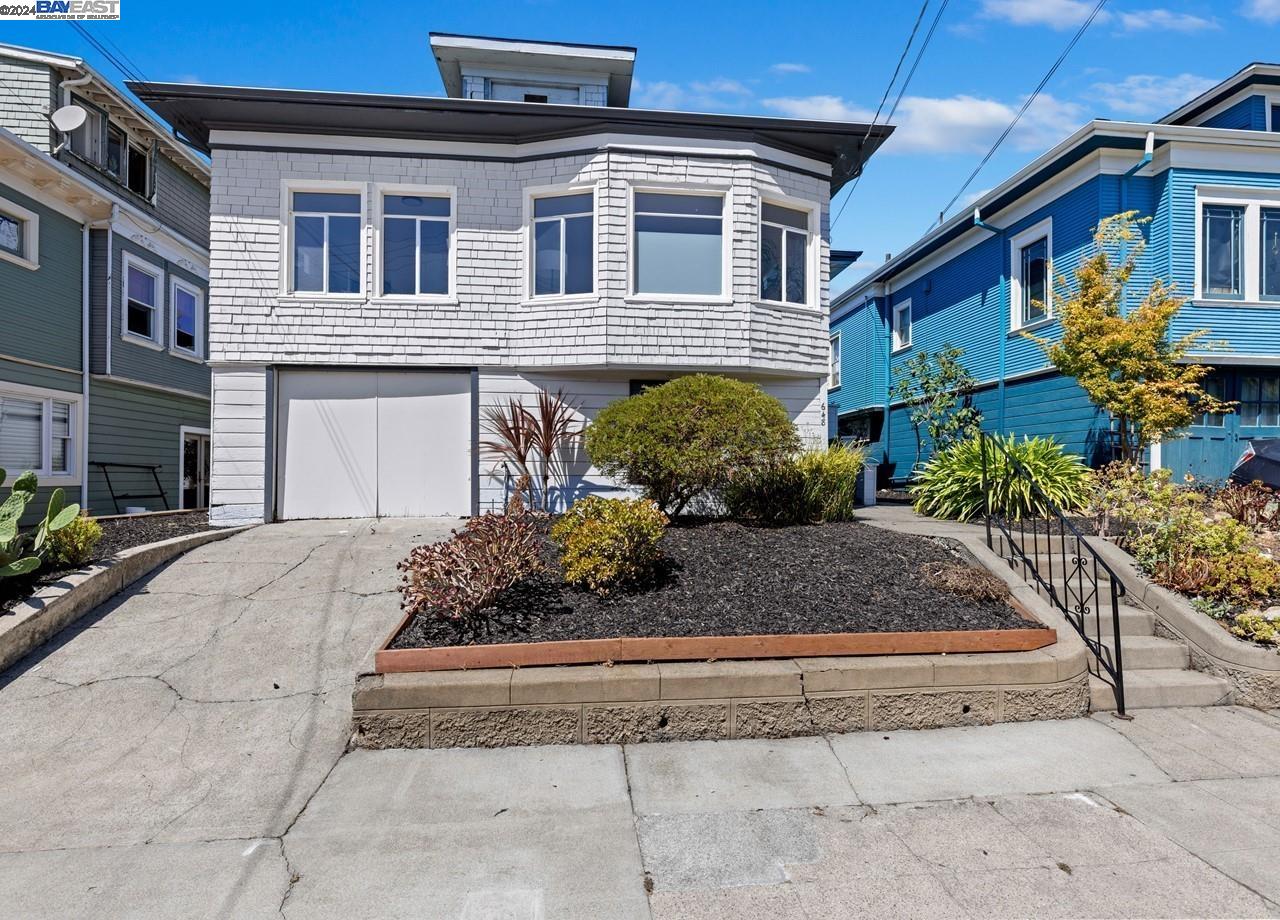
(951, 485)
(686, 437)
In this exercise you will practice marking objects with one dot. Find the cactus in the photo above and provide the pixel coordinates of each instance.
(22, 553)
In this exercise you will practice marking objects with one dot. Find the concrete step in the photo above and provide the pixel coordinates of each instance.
(1160, 689)
(1150, 653)
(1133, 622)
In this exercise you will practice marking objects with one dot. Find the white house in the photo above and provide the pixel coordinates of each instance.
(385, 267)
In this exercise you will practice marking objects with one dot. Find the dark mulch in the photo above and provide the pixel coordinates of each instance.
(117, 534)
(727, 579)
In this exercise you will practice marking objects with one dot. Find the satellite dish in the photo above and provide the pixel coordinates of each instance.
(68, 118)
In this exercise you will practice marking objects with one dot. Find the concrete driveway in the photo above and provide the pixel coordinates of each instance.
(181, 754)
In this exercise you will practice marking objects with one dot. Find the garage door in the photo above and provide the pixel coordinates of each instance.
(374, 444)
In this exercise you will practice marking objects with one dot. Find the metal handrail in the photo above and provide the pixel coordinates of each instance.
(1076, 604)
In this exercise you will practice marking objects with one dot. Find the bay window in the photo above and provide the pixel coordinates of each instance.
(784, 248)
(563, 244)
(678, 244)
(415, 244)
(326, 242)
(38, 432)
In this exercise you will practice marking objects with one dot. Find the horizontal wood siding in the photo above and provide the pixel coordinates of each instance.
(864, 353)
(1247, 114)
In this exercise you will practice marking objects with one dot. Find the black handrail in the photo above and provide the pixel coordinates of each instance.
(1080, 568)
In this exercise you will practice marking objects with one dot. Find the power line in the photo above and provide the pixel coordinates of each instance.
(883, 99)
(1025, 105)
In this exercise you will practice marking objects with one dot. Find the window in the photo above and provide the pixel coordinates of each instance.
(326, 242)
(902, 326)
(678, 244)
(1214, 387)
(37, 432)
(1220, 257)
(415, 244)
(19, 234)
(1260, 401)
(86, 140)
(784, 247)
(187, 307)
(1275, 117)
(563, 244)
(1034, 277)
(535, 97)
(1269, 258)
(139, 171)
(116, 162)
(834, 377)
(11, 231)
(142, 300)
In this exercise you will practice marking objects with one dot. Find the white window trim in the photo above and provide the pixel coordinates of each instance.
(1018, 242)
(176, 283)
(836, 362)
(30, 257)
(157, 325)
(901, 344)
(426, 191)
(287, 188)
(726, 245)
(554, 191)
(183, 431)
(44, 475)
(811, 251)
(1253, 200)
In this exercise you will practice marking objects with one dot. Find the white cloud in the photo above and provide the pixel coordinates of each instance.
(1060, 14)
(786, 67)
(1165, 20)
(958, 124)
(1267, 11)
(1144, 95)
(714, 95)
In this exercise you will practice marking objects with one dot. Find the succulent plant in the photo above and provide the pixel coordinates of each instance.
(21, 553)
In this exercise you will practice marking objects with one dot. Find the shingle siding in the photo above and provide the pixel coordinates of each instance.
(24, 107)
(182, 202)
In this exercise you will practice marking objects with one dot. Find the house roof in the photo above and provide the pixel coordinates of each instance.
(196, 110)
(118, 105)
(615, 62)
(1255, 73)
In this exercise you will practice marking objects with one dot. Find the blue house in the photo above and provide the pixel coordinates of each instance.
(1207, 176)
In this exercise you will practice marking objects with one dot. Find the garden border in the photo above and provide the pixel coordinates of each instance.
(1253, 671)
(34, 621)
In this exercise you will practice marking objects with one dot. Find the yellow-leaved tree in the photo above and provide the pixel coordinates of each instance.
(1127, 363)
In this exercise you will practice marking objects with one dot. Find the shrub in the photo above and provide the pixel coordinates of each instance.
(777, 495)
(831, 479)
(462, 576)
(74, 544)
(1257, 627)
(951, 483)
(968, 582)
(684, 438)
(1253, 505)
(1126, 502)
(608, 542)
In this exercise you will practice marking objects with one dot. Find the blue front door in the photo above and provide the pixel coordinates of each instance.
(1211, 446)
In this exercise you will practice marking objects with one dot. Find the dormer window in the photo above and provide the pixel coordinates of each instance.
(107, 146)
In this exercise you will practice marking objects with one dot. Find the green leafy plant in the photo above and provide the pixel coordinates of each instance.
(609, 542)
(776, 495)
(687, 437)
(951, 484)
(935, 389)
(22, 553)
(1127, 503)
(1253, 505)
(1257, 628)
(461, 577)
(831, 479)
(74, 544)
(534, 441)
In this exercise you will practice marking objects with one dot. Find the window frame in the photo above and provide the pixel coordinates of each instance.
(811, 268)
(96, 116)
(176, 283)
(1253, 201)
(725, 193)
(322, 186)
(899, 343)
(835, 362)
(1043, 230)
(29, 258)
(380, 191)
(44, 475)
(156, 341)
(1262, 377)
(557, 191)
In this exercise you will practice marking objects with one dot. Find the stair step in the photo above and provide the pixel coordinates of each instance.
(1161, 688)
(1149, 653)
(1133, 622)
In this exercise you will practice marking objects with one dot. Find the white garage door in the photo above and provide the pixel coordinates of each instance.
(374, 444)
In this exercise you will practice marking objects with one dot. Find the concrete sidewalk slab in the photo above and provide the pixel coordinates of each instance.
(948, 763)
(1207, 743)
(1194, 817)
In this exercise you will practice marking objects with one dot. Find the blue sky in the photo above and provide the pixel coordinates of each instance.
(822, 60)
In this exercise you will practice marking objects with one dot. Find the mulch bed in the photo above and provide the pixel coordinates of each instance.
(727, 579)
(117, 534)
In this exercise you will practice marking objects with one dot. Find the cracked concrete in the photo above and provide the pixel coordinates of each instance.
(181, 753)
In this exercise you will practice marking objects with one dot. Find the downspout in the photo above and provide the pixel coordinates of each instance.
(111, 273)
(84, 365)
(64, 88)
(1006, 309)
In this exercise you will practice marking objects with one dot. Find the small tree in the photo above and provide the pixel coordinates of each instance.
(1128, 364)
(936, 389)
(534, 441)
